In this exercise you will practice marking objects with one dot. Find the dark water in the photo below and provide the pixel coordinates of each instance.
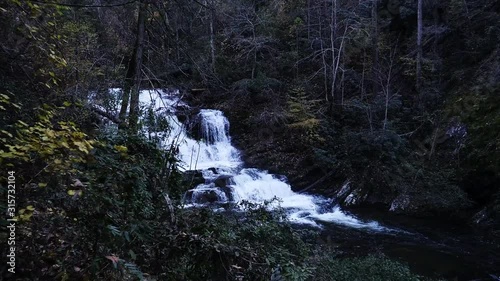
(431, 248)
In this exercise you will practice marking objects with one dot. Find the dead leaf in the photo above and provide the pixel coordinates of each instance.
(77, 183)
(113, 258)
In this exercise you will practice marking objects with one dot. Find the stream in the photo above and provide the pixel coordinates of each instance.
(434, 249)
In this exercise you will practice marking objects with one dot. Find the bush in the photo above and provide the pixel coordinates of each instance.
(370, 268)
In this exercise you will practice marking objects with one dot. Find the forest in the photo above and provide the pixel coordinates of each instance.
(388, 111)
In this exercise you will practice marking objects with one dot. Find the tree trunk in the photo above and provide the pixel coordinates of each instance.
(375, 55)
(129, 76)
(212, 34)
(137, 61)
(419, 46)
(333, 35)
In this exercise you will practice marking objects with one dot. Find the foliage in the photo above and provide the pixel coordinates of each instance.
(311, 75)
(370, 268)
(59, 146)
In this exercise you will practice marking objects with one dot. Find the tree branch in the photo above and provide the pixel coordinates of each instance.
(84, 6)
(108, 115)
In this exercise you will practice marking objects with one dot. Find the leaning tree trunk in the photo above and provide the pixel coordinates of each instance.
(137, 62)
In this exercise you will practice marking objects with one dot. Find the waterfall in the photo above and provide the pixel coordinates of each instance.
(225, 178)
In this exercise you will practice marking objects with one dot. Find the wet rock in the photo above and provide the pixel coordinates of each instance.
(206, 196)
(355, 197)
(351, 199)
(194, 128)
(223, 181)
(187, 115)
(188, 196)
(486, 217)
(282, 178)
(401, 203)
(193, 177)
(229, 192)
(480, 216)
(213, 170)
(343, 192)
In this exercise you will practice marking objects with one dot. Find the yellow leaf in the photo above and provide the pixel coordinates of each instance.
(26, 217)
(42, 184)
(22, 123)
(121, 148)
(72, 192)
(30, 208)
(81, 146)
(7, 133)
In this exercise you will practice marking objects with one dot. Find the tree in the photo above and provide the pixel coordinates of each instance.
(134, 73)
(419, 46)
(374, 45)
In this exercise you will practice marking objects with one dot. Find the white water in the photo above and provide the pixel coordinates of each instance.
(243, 184)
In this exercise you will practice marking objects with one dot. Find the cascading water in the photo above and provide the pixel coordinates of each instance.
(226, 180)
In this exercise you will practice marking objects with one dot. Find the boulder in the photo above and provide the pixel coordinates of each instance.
(206, 196)
(228, 191)
(193, 177)
(188, 196)
(213, 170)
(186, 115)
(223, 180)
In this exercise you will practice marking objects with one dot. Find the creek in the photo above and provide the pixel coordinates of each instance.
(431, 248)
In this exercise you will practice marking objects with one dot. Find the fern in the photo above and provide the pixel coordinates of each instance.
(133, 269)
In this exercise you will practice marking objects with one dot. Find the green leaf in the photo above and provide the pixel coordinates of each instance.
(7, 133)
(132, 254)
(22, 123)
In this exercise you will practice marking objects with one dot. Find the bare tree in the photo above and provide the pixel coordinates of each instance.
(385, 80)
(212, 35)
(243, 29)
